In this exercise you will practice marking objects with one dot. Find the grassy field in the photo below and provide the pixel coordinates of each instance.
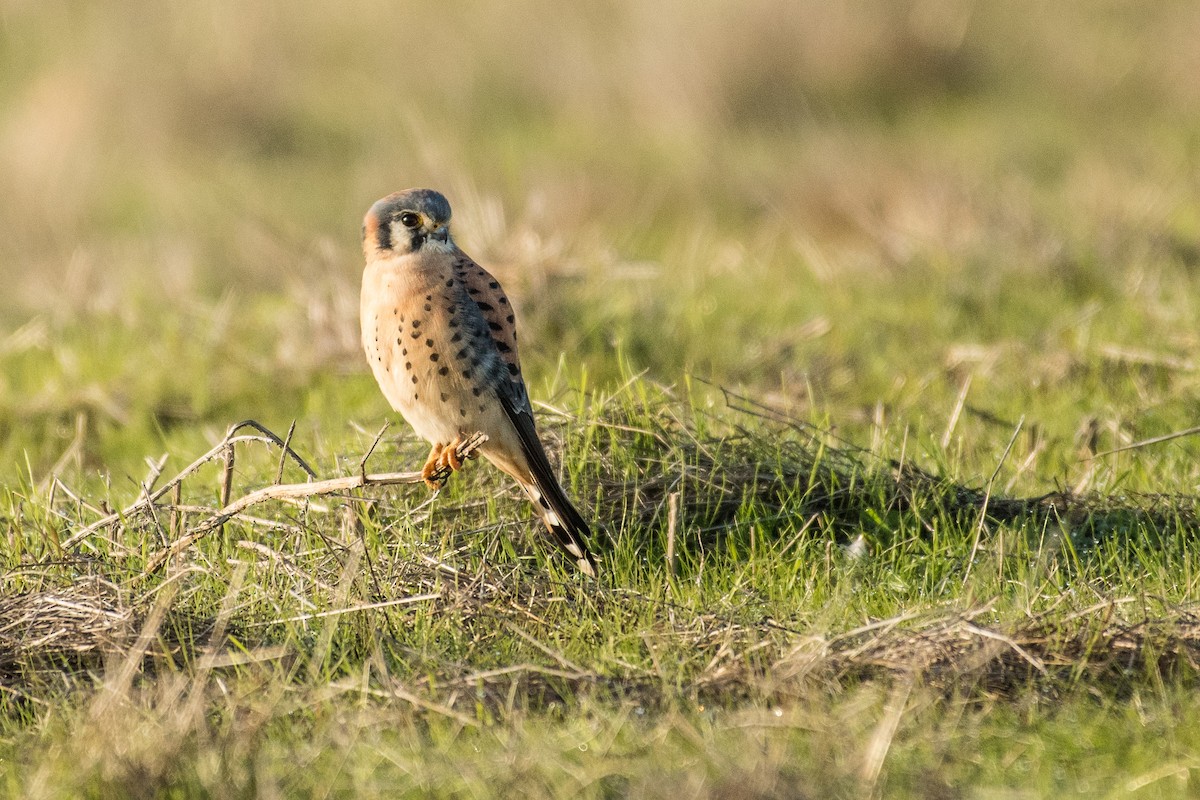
(848, 324)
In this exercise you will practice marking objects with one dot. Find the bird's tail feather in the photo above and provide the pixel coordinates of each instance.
(563, 520)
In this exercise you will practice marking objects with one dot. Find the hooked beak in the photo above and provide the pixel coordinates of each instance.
(440, 234)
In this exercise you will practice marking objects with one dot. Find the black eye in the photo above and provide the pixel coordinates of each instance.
(410, 220)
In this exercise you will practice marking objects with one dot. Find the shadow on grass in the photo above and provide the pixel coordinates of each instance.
(729, 478)
(777, 473)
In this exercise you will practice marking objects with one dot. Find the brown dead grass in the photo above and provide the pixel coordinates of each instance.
(75, 631)
(77, 628)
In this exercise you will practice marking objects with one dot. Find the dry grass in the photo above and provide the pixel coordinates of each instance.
(52, 637)
(956, 239)
(805, 483)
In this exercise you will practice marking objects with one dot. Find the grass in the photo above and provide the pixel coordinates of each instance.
(819, 278)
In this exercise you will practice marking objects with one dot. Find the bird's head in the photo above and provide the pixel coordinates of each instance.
(406, 222)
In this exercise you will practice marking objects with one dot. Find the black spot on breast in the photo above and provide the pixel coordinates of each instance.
(450, 283)
(433, 357)
(397, 339)
(476, 391)
(471, 290)
(496, 326)
(484, 306)
(408, 365)
(503, 347)
(414, 378)
(482, 408)
(475, 362)
(467, 374)
(462, 412)
(444, 371)
(513, 369)
(453, 322)
(493, 284)
(461, 354)
(416, 334)
(457, 337)
(416, 324)
(429, 342)
(503, 300)
(511, 319)
(428, 297)
(445, 397)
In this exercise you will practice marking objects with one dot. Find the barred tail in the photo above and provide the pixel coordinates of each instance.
(563, 521)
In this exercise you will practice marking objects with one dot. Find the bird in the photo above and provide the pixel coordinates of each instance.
(441, 337)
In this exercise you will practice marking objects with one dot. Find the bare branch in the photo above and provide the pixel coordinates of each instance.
(285, 491)
(140, 505)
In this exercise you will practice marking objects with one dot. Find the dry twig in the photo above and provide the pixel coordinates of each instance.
(294, 491)
(219, 450)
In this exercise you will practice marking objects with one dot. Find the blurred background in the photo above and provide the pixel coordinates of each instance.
(848, 206)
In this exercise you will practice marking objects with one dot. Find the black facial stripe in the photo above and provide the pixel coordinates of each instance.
(418, 238)
(383, 235)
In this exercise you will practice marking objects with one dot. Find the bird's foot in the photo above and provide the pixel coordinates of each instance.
(442, 457)
(431, 468)
(449, 457)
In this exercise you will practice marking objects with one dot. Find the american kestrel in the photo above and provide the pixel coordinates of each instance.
(442, 341)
